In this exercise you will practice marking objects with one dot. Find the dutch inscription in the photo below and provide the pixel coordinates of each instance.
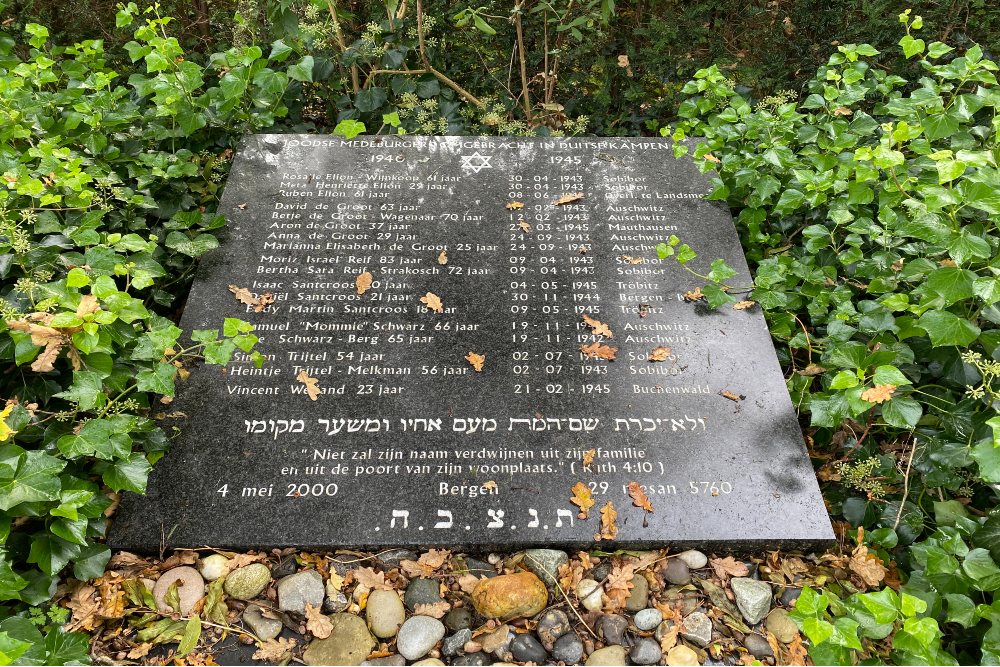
(454, 326)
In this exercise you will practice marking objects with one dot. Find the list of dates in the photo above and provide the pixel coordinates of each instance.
(472, 420)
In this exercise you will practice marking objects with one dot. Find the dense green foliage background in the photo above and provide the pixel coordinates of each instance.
(858, 148)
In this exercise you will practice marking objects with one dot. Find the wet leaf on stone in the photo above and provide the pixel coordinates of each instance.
(588, 456)
(583, 498)
(245, 296)
(363, 282)
(609, 523)
(629, 259)
(514, 205)
(568, 199)
(599, 351)
(433, 302)
(597, 327)
(273, 651)
(311, 383)
(524, 226)
(443, 258)
(639, 497)
(477, 361)
(660, 353)
(735, 398)
(743, 305)
(317, 622)
(694, 295)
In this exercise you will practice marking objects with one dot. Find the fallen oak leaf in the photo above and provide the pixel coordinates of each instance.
(477, 361)
(524, 226)
(311, 383)
(514, 205)
(568, 198)
(694, 295)
(245, 296)
(432, 609)
(744, 305)
(735, 398)
(317, 622)
(629, 259)
(868, 566)
(609, 523)
(443, 258)
(812, 369)
(660, 353)
(639, 497)
(729, 567)
(588, 456)
(273, 651)
(363, 282)
(880, 393)
(583, 498)
(597, 327)
(599, 351)
(433, 302)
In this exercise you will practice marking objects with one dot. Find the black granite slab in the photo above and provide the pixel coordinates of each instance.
(408, 445)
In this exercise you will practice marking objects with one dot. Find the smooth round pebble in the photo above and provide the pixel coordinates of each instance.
(789, 596)
(335, 602)
(459, 618)
(552, 625)
(190, 589)
(213, 566)
(262, 626)
(682, 656)
(609, 655)
(639, 597)
(349, 643)
(394, 660)
(525, 648)
(648, 619)
(693, 559)
(384, 613)
(612, 627)
(568, 649)
(476, 659)
(646, 652)
(418, 635)
(589, 592)
(428, 661)
(781, 626)
(510, 596)
(758, 646)
(677, 572)
(297, 590)
(422, 591)
(247, 582)
(545, 563)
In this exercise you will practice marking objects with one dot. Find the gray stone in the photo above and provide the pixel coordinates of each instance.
(418, 635)
(545, 563)
(476, 659)
(452, 645)
(648, 619)
(697, 629)
(612, 628)
(247, 582)
(459, 618)
(663, 628)
(609, 655)
(525, 648)
(781, 625)
(646, 652)
(677, 572)
(349, 643)
(285, 567)
(753, 598)
(601, 571)
(396, 556)
(552, 624)
(589, 592)
(568, 649)
(479, 568)
(394, 660)
(190, 589)
(262, 626)
(695, 560)
(758, 646)
(498, 641)
(385, 613)
(237, 422)
(789, 596)
(335, 601)
(213, 566)
(638, 598)
(297, 590)
(422, 591)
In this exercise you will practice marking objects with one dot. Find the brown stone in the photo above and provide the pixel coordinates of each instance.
(510, 596)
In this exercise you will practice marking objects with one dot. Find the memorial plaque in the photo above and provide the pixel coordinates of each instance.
(470, 387)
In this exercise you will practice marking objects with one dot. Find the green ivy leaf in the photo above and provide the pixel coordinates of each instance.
(35, 477)
(91, 561)
(158, 380)
(302, 70)
(946, 328)
(128, 474)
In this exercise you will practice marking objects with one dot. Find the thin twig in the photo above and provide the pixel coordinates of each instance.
(525, 96)
(355, 79)
(568, 602)
(462, 92)
(906, 484)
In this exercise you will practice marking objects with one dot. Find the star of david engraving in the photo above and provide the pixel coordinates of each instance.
(476, 162)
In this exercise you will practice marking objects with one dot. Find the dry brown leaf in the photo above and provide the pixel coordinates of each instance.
(729, 567)
(588, 456)
(629, 259)
(694, 295)
(468, 583)
(669, 638)
(317, 622)
(514, 205)
(443, 258)
(842, 111)
(273, 651)
(434, 558)
(811, 370)
(735, 398)
(643, 309)
(597, 327)
(311, 383)
(84, 603)
(45, 361)
(868, 566)
(609, 523)
(140, 651)
(583, 498)
(570, 574)
(434, 610)
(797, 653)
(743, 305)
(880, 393)
(491, 485)
(660, 353)
(623, 60)
(712, 158)
(245, 296)
(477, 361)
(433, 302)
(363, 282)
(639, 497)
(370, 579)
(88, 306)
(239, 560)
(599, 351)
(568, 198)
(619, 584)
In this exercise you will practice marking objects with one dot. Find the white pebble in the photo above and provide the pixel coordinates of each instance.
(589, 592)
